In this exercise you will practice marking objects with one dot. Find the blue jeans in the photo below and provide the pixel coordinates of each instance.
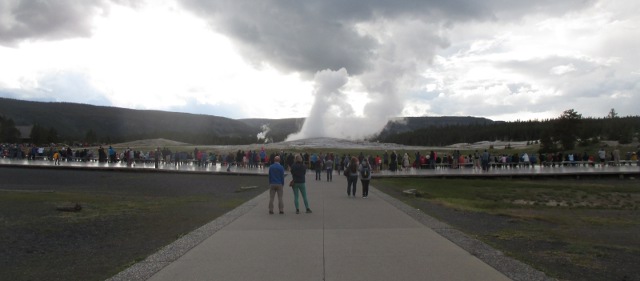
(352, 180)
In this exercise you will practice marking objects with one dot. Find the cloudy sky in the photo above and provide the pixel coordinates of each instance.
(330, 60)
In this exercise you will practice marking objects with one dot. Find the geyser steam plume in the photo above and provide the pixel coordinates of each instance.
(377, 49)
(263, 134)
(332, 116)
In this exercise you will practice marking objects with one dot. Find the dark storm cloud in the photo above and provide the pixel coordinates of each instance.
(308, 36)
(49, 20)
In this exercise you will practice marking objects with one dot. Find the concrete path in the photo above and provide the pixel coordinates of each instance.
(343, 239)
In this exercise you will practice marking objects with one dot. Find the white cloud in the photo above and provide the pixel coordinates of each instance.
(562, 69)
(154, 57)
(540, 66)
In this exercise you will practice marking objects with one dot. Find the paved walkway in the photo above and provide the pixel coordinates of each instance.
(378, 238)
(343, 239)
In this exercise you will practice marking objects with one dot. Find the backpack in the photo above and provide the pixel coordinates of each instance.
(364, 173)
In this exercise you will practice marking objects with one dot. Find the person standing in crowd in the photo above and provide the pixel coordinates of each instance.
(406, 163)
(365, 177)
(130, 158)
(112, 154)
(351, 172)
(298, 172)
(156, 157)
(393, 164)
(603, 156)
(318, 168)
(485, 160)
(616, 156)
(345, 163)
(56, 158)
(476, 160)
(385, 160)
(102, 156)
(276, 182)
(329, 167)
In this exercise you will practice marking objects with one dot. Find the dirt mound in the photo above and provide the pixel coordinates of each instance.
(150, 143)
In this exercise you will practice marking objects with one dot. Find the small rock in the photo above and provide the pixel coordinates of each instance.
(76, 208)
(409, 191)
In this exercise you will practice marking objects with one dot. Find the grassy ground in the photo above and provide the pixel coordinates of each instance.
(572, 230)
(124, 218)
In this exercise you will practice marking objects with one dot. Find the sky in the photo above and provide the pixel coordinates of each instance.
(346, 66)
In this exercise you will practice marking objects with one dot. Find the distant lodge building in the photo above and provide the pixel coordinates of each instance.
(25, 133)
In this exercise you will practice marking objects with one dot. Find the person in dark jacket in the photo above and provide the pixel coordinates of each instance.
(365, 177)
(298, 172)
(351, 172)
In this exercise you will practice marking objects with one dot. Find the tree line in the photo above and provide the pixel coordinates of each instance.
(561, 133)
(42, 136)
(8, 131)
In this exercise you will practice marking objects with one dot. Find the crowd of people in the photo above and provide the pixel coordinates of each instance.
(323, 163)
(354, 167)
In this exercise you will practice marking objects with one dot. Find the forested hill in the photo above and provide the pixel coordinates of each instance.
(70, 122)
(74, 121)
(408, 124)
(88, 123)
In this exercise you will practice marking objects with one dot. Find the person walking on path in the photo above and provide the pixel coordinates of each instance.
(276, 182)
(365, 177)
(329, 167)
(298, 172)
(351, 171)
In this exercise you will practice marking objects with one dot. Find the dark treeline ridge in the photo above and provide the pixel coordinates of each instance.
(71, 122)
(8, 131)
(578, 130)
(54, 122)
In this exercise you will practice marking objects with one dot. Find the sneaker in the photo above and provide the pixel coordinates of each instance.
(281, 212)
(297, 211)
(270, 212)
(309, 211)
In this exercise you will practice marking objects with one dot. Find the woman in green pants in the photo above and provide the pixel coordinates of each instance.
(298, 171)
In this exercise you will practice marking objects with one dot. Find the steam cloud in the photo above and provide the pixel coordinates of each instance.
(374, 49)
(263, 135)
